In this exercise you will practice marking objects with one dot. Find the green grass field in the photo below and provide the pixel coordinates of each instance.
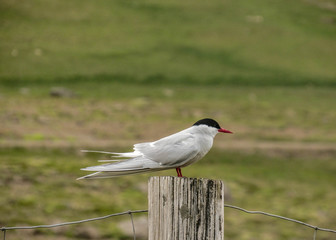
(290, 42)
(138, 71)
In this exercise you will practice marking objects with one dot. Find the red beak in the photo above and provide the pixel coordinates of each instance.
(224, 130)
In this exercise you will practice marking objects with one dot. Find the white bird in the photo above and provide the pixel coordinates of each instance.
(175, 151)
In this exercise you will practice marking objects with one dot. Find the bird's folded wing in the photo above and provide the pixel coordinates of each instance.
(170, 151)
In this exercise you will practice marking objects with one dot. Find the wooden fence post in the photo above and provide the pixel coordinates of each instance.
(185, 208)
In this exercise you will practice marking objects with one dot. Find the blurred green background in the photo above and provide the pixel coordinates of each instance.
(104, 75)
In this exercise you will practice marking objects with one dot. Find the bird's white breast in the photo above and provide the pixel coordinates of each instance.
(204, 144)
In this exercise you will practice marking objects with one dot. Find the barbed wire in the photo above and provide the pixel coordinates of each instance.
(4, 229)
(316, 228)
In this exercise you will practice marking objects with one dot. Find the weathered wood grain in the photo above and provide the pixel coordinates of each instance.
(185, 208)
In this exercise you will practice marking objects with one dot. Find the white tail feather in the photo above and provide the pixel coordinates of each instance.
(124, 167)
(109, 160)
(122, 155)
(115, 174)
(93, 151)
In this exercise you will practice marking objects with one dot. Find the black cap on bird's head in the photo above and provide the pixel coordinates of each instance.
(211, 123)
(207, 121)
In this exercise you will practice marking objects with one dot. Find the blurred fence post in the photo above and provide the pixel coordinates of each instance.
(185, 208)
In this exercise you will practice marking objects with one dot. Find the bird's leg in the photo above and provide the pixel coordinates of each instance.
(179, 172)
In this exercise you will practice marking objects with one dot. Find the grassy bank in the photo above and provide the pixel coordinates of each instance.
(115, 112)
(39, 187)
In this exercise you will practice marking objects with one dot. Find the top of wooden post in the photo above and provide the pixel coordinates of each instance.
(185, 208)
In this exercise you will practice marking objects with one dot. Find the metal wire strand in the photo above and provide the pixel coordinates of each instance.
(74, 222)
(281, 217)
(316, 228)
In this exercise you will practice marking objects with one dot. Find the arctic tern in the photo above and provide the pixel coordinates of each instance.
(175, 151)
